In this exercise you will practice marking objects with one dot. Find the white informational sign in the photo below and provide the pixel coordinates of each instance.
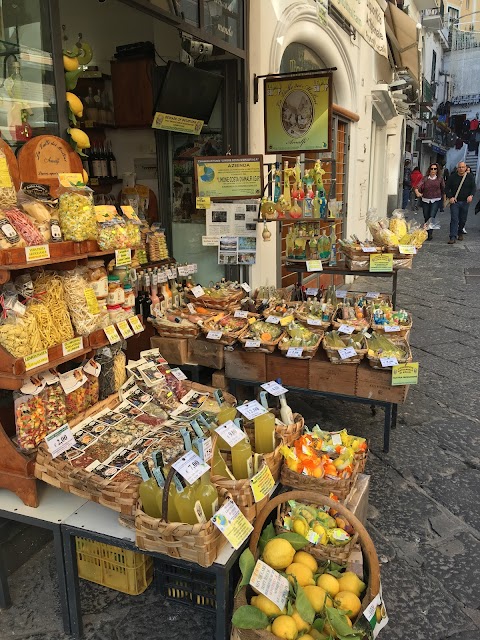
(388, 362)
(60, 440)
(348, 352)
(190, 467)
(270, 583)
(346, 328)
(251, 410)
(230, 433)
(274, 388)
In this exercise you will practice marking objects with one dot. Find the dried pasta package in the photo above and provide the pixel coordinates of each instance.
(132, 225)
(30, 421)
(20, 336)
(36, 201)
(75, 402)
(76, 212)
(119, 367)
(111, 228)
(106, 379)
(8, 195)
(24, 226)
(81, 301)
(9, 236)
(92, 390)
(55, 406)
(48, 287)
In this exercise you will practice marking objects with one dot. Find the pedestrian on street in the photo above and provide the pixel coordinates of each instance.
(415, 180)
(407, 184)
(431, 190)
(443, 173)
(464, 231)
(460, 190)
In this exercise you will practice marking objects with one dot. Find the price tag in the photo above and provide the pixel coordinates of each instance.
(262, 484)
(391, 328)
(203, 203)
(251, 410)
(270, 583)
(92, 302)
(178, 373)
(136, 325)
(207, 449)
(169, 274)
(311, 291)
(295, 352)
(381, 263)
(36, 359)
(112, 334)
(336, 439)
(372, 294)
(246, 287)
(408, 249)
(229, 432)
(388, 362)
(340, 293)
(71, 346)
(214, 335)
(124, 329)
(240, 314)
(314, 265)
(38, 252)
(60, 440)
(346, 328)
(369, 249)
(233, 524)
(348, 352)
(273, 319)
(314, 322)
(274, 388)
(198, 291)
(190, 467)
(93, 368)
(123, 257)
(376, 614)
(252, 344)
(405, 374)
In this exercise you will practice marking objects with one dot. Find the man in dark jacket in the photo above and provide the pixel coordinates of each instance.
(460, 198)
(407, 184)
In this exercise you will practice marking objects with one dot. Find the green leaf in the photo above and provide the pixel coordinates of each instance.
(338, 621)
(304, 608)
(335, 574)
(249, 617)
(247, 565)
(296, 540)
(333, 566)
(267, 534)
(319, 624)
(289, 608)
(354, 636)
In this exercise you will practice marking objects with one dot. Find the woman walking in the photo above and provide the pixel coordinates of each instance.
(431, 191)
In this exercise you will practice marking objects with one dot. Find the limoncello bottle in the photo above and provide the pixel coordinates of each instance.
(148, 491)
(227, 411)
(172, 513)
(185, 501)
(206, 493)
(264, 428)
(242, 461)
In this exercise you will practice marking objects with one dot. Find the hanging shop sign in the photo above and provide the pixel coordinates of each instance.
(223, 19)
(368, 18)
(298, 113)
(229, 177)
(178, 124)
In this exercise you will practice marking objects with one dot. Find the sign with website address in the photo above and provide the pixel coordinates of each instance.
(229, 177)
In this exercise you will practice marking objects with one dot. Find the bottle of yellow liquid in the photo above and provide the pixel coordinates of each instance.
(148, 491)
(227, 411)
(242, 460)
(206, 493)
(172, 513)
(185, 501)
(187, 441)
(264, 428)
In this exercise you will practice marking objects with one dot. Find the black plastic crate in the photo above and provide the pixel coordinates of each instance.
(190, 586)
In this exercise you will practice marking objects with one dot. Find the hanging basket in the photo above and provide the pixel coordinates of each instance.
(340, 487)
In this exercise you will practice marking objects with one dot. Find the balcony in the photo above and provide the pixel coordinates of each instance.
(432, 134)
(427, 4)
(432, 19)
(428, 93)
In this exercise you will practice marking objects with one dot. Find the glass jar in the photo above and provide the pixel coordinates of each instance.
(104, 318)
(129, 296)
(115, 313)
(116, 294)
(123, 273)
(128, 311)
(98, 278)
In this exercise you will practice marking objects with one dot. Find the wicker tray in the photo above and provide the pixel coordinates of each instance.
(340, 487)
(228, 337)
(308, 352)
(168, 331)
(265, 347)
(372, 566)
(403, 332)
(334, 356)
(357, 253)
(357, 328)
(226, 303)
(403, 342)
(302, 316)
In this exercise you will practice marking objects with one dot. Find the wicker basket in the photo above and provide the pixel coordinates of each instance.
(265, 347)
(357, 325)
(227, 338)
(334, 355)
(340, 487)
(302, 316)
(403, 343)
(402, 332)
(166, 330)
(199, 543)
(356, 252)
(307, 353)
(226, 303)
(372, 566)
(287, 434)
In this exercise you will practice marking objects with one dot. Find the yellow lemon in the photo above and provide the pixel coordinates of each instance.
(301, 572)
(307, 559)
(321, 531)
(75, 104)
(307, 636)
(300, 527)
(80, 137)
(300, 622)
(317, 597)
(349, 581)
(348, 602)
(329, 583)
(70, 64)
(278, 553)
(285, 627)
(317, 635)
(85, 176)
(268, 607)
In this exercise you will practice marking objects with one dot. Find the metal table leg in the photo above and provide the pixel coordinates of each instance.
(72, 583)
(394, 289)
(394, 416)
(5, 600)
(386, 427)
(62, 584)
(222, 625)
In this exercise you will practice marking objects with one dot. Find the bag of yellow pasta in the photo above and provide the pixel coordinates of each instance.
(398, 225)
(76, 212)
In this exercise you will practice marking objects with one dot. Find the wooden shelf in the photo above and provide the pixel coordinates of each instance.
(324, 220)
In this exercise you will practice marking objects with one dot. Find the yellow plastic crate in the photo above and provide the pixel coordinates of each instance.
(114, 567)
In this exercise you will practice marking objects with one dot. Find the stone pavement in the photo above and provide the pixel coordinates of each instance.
(424, 516)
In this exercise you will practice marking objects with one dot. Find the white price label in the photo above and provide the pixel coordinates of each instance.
(372, 294)
(311, 291)
(336, 439)
(407, 249)
(169, 274)
(340, 293)
(295, 352)
(230, 433)
(60, 440)
(252, 344)
(274, 388)
(182, 271)
(190, 467)
(178, 373)
(270, 583)
(191, 308)
(251, 410)
(214, 335)
(391, 328)
(240, 314)
(246, 287)
(346, 328)
(314, 322)
(369, 250)
(348, 352)
(198, 291)
(314, 265)
(207, 449)
(273, 319)
(388, 362)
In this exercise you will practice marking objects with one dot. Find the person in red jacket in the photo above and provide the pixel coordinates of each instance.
(415, 180)
(431, 190)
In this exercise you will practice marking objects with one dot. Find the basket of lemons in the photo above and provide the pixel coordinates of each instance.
(286, 593)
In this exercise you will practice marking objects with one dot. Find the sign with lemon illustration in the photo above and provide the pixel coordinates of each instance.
(298, 113)
(229, 177)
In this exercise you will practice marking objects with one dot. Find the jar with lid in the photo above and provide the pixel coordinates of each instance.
(115, 313)
(129, 296)
(104, 318)
(129, 312)
(116, 294)
(98, 278)
(123, 273)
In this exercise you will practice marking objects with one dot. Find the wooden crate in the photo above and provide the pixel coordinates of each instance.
(292, 371)
(328, 377)
(206, 353)
(377, 385)
(219, 380)
(246, 365)
(174, 350)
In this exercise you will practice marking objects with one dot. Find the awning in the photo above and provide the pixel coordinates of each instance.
(403, 36)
